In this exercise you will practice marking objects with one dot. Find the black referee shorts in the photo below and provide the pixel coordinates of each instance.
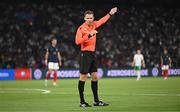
(87, 62)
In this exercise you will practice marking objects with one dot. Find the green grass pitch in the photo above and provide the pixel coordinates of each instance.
(150, 94)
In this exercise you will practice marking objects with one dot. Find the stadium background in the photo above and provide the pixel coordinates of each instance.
(27, 25)
(26, 28)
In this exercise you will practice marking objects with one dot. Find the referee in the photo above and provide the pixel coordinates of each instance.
(86, 37)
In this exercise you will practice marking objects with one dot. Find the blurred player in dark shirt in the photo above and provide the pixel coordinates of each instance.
(52, 60)
(165, 63)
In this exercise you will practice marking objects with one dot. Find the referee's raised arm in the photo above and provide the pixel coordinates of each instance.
(106, 17)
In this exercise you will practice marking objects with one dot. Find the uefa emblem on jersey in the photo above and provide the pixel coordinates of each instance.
(54, 53)
(37, 74)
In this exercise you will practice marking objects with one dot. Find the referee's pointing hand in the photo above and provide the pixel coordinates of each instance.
(113, 11)
(93, 32)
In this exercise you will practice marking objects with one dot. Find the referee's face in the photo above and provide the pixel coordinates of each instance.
(89, 18)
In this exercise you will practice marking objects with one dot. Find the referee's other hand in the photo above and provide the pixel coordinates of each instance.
(93, 32)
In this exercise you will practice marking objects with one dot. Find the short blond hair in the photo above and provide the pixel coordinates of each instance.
(88, 12)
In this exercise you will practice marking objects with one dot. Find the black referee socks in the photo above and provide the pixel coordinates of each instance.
(94, 87)
(81, 90)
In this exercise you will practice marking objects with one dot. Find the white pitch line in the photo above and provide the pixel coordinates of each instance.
(5, 90)
(148, 94)
(43, 91)
(125, 94)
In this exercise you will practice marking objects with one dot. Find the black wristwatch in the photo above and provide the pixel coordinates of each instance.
(89, 36)
(110, 14)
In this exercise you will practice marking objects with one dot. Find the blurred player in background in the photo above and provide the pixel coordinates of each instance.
(52, 60)
(165, 63)
(86, 37)
(138, 61)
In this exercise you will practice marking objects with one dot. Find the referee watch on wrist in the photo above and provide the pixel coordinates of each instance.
(110, 14)
(89, 36)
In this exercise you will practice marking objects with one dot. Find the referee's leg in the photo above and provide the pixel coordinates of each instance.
(81, 83)
(94, 86)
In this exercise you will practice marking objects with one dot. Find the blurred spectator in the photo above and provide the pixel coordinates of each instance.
(25, 30)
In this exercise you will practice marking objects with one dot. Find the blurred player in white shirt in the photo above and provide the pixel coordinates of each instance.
(138, 62)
